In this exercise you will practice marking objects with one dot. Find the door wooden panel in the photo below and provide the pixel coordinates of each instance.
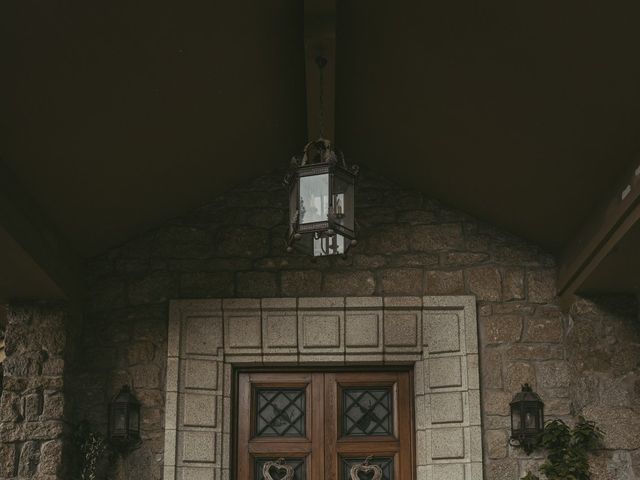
(341, 446)
(254, 446)
(347, 416)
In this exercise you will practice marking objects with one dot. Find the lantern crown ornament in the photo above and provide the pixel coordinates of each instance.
(124, 420)
(321, 195)
(527, 418)
(321, 201)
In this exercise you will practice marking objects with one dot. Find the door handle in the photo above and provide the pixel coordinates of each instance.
(365, 467)
(279, 466)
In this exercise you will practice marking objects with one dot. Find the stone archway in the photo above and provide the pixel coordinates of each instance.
(207, 338)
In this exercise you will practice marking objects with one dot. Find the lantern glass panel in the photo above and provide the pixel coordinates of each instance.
(293, 208)
(540, 420)
(530, 421)
(134, 419)
(516, 419)
(314, 198)
(119, 420)
(343, 201)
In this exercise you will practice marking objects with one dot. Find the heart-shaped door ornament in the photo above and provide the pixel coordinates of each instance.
(277, 466)
(365, 467)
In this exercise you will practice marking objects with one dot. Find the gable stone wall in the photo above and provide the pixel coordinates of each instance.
(34, 415)
(409, 246)
(603, 350)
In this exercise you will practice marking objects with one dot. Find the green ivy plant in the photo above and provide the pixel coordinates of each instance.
(530, 476)
(568, 450)
(92, 446)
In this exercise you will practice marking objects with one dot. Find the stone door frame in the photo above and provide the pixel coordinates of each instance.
(208, 338)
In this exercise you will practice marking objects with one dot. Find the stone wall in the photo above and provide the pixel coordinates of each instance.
(32, 417)
(409, 245)
(603, 347)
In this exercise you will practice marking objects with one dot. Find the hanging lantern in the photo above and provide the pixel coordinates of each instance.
(321, 201)
(527, 418)
(124, 419)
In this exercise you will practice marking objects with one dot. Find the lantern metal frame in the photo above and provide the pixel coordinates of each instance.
(125, 405)
(526, 402)
(320, 157)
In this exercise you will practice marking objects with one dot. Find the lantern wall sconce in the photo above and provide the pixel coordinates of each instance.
(321, 201)
(124, 420)
(527, 419)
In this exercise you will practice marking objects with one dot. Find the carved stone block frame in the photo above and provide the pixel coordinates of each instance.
(438, 335)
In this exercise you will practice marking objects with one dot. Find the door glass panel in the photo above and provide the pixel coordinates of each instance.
(385, 463)
(367, 411)
(280, 473)
(280, 412)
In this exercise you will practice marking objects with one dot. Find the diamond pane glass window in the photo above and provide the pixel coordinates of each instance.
(385, 463)
(367, 411)
(280, 413)
(277, 473)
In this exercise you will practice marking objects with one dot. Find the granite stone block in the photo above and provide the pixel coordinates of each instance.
(199, 410)
(446, 407)
(362, 329)
(442, 332)
(197, 446)
(243, 332)
(447, 443)
(200, 374)
(402, 329)
(449, 472)
(320, 331)
(203, 335)
(445, 372)
(280, 331)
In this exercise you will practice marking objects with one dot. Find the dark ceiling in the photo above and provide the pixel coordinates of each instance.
(119, 115)
(531, 105)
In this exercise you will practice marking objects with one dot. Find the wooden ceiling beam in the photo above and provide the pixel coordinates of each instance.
(24, 222)
(320, 41)
(599, 236)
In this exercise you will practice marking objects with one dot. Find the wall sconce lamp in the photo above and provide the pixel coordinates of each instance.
(124, 420)
(527, 419)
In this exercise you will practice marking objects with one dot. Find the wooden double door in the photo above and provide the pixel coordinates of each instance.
(317, 426)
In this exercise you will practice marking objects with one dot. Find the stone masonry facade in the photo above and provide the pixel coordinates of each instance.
(603, 350)
(33, 426)
(409, 246)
